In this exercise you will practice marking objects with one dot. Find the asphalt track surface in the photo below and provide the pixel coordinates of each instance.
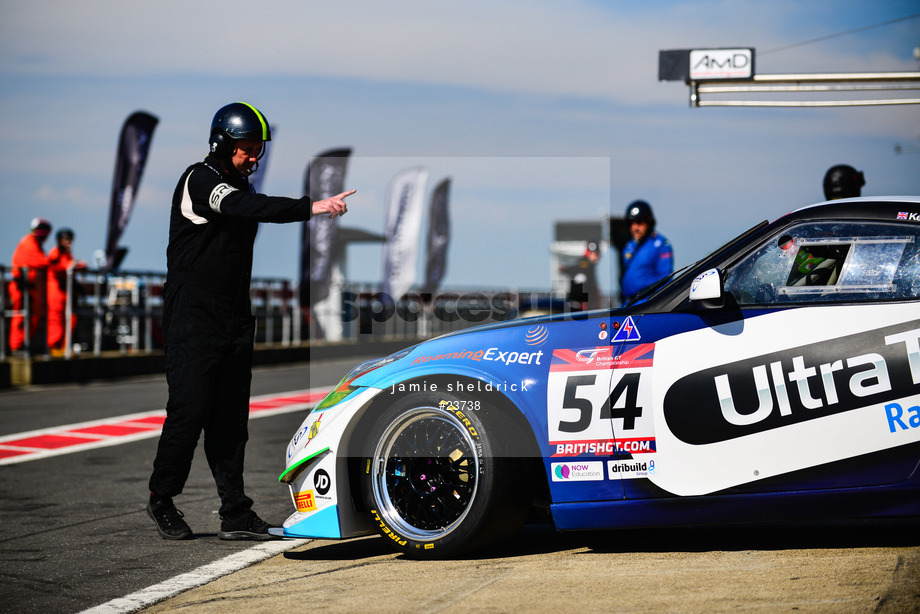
(74, 536)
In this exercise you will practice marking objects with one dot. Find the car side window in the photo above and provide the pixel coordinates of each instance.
(830, 262)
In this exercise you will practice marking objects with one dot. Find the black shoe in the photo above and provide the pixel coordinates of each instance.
(245, 526)
(169, 520)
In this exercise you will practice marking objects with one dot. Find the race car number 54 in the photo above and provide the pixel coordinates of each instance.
(622, 402)
(595, 405)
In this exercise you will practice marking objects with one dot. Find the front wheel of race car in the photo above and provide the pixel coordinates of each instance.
(443, 475)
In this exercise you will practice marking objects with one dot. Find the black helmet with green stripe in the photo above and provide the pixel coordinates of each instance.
(234, 122)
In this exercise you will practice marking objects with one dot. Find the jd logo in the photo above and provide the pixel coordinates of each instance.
(321, 481)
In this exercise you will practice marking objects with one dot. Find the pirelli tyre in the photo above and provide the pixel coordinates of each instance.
(442, 475)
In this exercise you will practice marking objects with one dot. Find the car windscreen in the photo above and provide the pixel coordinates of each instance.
(827, 262)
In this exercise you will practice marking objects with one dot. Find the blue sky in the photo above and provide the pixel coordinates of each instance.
(538, 112)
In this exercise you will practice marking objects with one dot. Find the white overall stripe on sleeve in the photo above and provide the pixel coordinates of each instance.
(218, 194)
(186, 206)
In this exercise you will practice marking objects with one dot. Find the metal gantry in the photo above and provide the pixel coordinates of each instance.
(808, 84)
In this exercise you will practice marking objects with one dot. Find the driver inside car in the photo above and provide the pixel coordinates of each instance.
(817, 265)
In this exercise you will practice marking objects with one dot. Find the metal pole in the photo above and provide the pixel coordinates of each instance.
(68, 314)
(297, 315)
(2, 313)
(148, 315)
(97, 316)
(269, 320)
(807, 103)
(285, 315)
(135, 320)
(26, 316)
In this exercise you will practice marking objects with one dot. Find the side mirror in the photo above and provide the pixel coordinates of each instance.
(707, 289)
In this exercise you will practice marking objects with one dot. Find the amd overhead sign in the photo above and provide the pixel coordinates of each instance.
(721, 64)
(702, 64)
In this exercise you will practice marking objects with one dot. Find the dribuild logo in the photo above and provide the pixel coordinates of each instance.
(578, 472)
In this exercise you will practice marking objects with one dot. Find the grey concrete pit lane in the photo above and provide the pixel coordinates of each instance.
(848, 567)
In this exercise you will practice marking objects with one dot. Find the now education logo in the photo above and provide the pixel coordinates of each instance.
(578, 472)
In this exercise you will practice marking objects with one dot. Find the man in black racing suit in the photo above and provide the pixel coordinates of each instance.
(208, 323)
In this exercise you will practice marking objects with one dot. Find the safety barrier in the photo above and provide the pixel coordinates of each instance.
(123, 313)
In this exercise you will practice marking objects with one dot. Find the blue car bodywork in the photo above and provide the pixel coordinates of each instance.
(778, 378)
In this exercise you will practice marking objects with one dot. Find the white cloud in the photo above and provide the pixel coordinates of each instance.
(67, 196)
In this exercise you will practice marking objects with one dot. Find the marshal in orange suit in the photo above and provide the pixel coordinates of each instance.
(29, 255)
(60, 260)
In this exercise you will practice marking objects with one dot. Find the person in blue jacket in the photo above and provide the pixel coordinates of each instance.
(648, 256)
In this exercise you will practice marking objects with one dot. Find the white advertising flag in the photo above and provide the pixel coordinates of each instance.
(402, 224)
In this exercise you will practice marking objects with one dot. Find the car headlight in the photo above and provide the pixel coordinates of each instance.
(345, 387)
(342, 391)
